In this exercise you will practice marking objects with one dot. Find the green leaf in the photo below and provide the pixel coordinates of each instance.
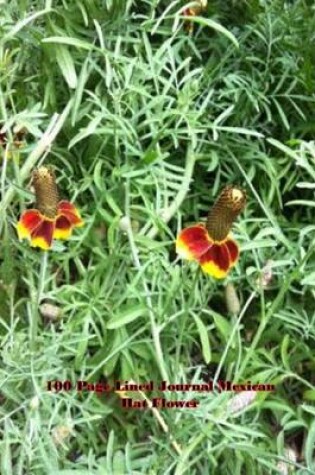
(301, 203)
(214, 25)
(309, 447)
(309, 395)
(239, 130)
(284, 352)
(21, 24)
(68, 41)
(126, 366)
(223, 326)
(110, 451)
(309, 279)
(66, 65)
(119, 462)
(6, 453)
(112, 204)
(89, 130)
(203, 333)
(126, 316)
(258, 244)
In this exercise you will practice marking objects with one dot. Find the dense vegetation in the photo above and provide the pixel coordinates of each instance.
(144, 124)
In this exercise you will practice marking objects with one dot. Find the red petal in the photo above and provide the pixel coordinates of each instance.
(193, 242)
(67, 209)
(187, 12)
(66, 206)
(43, 235)
(28, 222)
(63, 228)
(63, 223)
(216, 261)
(233, 250)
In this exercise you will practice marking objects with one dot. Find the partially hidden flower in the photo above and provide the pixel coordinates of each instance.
(50, 312)
(211, 244)
(18, 141)
(199, 7)
(231, 298)
(266, 275)
(50, 218)
(3, 139)
(19, 137)
(285, 467)
(62, 432)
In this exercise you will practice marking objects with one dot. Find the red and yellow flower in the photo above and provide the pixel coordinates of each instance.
(17, 143)
(50, 218)
(199, 7)
(211, 244)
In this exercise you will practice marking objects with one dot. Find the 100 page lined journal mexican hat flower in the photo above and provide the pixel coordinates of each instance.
(211, 244)
(50, 218)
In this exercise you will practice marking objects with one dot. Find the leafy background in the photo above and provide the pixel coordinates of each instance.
(153, 123)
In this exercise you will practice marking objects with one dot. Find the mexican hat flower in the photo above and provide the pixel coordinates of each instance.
(50, 218)
(211, 244)
(18, 141)
(199, 7)
(19, 137)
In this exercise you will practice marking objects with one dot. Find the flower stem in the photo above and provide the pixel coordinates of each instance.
(231, 337)
(42, 275)
(154, 326)
(4, 171)
(36, 301)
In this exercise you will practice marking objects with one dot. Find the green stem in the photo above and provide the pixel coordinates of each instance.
(40, 291)
(186, 309)
(230, 340)
(4, 171)
(154, 327)
(42, 276)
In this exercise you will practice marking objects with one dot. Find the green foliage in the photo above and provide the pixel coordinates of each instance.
(153, 123)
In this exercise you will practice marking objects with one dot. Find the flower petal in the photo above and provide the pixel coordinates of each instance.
(67, 209)
(28, 222)
(43, 235)
(193, 242)
(233, 250)
(63, 228)
(216, 261)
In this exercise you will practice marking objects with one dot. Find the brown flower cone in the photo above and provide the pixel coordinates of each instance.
(47, 198)
(224, 212)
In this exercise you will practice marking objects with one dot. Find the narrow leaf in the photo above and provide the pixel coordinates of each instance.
(204, 339)
(127, 316)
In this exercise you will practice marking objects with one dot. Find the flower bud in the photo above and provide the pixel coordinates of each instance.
(241, 401)
(34, 403)
(232, 300)
(49, 311)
